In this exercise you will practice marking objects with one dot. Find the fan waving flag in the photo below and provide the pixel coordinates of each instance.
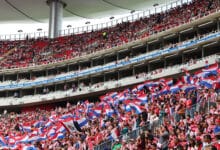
(211, 70)
(71, 125)
(2, 141)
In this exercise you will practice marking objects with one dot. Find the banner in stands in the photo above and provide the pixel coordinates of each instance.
(110, 66)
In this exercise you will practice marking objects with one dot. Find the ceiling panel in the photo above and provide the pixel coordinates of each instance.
(36, 9)
(8, 13)
(91, 9)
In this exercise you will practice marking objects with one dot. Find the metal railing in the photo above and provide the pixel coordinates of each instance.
(95, 27)
(201, 107)
(209, 145)
(108, 144)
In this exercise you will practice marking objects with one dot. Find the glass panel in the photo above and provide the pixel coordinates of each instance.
(99, 26)
(168, 6)
(113, 22)
(79, 29)
(104, 25)
(179, 3)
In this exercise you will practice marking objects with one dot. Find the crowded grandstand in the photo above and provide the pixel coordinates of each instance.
(148, 84)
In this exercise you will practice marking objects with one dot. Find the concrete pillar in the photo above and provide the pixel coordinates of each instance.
(183, 58)
(148, 66)
(17, 76)
(165, 63)
(91, 63)
(46, 72)
(104, 77)
(147, 48)
(30, 75)
(218, 27)
(35, 91)
(133, 71)
(20, 93)
(118, 75)
(3, 77)
(56, 15)
(179, 37)
(203, 52)
(55, 87)
(104, 60)
(68, 68)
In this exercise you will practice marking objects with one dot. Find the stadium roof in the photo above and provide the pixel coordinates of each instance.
(37, 11)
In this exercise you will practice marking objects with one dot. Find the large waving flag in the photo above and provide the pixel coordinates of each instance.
(65, 116)
(114, 134)
(207, 82)
(136, 108)
(25, 127)
(71, 125)
(211, 70)
(175, 88)
(82, 122)
(97, 111)
(121, 96)
(169, 81)
(166, 82)
(57, 136)
(2, 141)
(188, 87)
(186, 71)
(48, 124)
(112, 94)
(28, 147)
(37, 138)
(22, 139)
(165, 90)
(51, 131)
(187, 79)
(142, 96)
(140, 86)
(108, 110)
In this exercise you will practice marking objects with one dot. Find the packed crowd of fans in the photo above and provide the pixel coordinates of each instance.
(43, 51)
(180, 113)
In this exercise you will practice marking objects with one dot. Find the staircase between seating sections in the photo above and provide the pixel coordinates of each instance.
(2, 58)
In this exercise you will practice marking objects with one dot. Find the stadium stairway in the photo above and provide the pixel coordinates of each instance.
(2, 58)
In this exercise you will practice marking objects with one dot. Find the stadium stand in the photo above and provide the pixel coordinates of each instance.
(174, 108)
(44, 51)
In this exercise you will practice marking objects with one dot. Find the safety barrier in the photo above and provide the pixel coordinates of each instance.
(201, 107)
(110, 66)
(110, 84)
(133, 17)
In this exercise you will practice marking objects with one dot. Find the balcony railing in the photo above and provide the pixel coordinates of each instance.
(110, 66)
(95, 27)
(203, 107)
(176, 69)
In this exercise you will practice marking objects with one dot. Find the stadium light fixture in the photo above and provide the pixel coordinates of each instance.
(39, 29)
(132, 11)
(19, 31)
(111, 17)
(69, 26)
(156, 4)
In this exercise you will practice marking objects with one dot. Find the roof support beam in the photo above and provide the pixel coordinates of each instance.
(56, 17)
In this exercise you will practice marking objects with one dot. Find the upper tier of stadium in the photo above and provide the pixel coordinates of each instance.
(146, 84)
(31, 52)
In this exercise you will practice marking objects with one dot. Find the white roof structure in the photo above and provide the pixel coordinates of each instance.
(30, 15)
